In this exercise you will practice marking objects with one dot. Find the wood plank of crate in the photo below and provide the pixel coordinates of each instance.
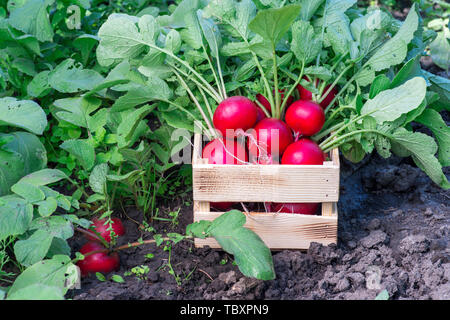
(268, 183)
(281, 231)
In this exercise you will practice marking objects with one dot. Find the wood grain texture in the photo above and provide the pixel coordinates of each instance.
(281, 230)
(259, 183)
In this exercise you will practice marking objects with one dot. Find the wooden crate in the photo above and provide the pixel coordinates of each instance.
(270, 183)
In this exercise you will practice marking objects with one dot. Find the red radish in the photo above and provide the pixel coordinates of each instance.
(325, 102)
(97, 262)
(305, 94)
(102, 228)
(263, 100)
(304, 151)
(299, 208)
(260, 114)
(222, 206)
(230, 153)
(305, 117)
(270, 133)
(235, 113)
(219, 151)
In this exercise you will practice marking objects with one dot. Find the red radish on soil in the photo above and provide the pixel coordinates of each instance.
(235, 113)
(298, 208)
(305, 117)
(305, 94)
(269, 133)
(304, 151)
(219, 151)
(102, 228)
(97, 262)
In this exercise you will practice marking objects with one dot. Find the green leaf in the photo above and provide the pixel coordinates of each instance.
(393, 51)
(82, 150)
(173, 41)
(130, 123)
(380, 83)
(31, 17)
(305, 44)
(433, 120)
(272, 24)
(39, 87)
(383, 295)
(390, 104)
(353, 151)
(33, 249)
(100, 277)
(48, 275)
(422, 149)
(252, 256)
(78, 110)
(117, 278)
(198, 229)
(44, 177)
(410, 70)
(56, 226)
(16, 215)
(29, 147)
(25, 114)
(28, 191)
(97, 178)
(47, 207)
(120, 37)
(440, 51)
(68, 77)
(58, 246)
(308, 8)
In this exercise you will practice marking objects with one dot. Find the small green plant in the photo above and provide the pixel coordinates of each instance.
(139, 271)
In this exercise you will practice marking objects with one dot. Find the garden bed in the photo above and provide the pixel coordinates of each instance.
(392, 219)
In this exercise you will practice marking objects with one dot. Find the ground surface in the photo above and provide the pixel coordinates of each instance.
(394, 232)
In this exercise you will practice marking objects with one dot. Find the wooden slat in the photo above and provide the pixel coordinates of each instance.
(265, 183)
(196, 154)
(281, 230)
(329, 209)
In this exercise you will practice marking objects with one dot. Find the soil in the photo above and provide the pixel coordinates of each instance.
(394, 232)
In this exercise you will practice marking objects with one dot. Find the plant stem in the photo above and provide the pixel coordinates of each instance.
(299, 78)
(335, 143)
(208, 123)
(213, 70)
(275, 80)
(266, 112)
(324, 95)
(184, 63)
(326, 132)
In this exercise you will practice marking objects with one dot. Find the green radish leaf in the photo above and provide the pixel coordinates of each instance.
(198, 229)
(28, 191)
(33, 249)
(77, 110)
(125, 37)
(82, 150)
(440, 50)
(31, 17)
(353, 151)
(308, 8)
(393, 51)
(130, 123)
(11, 170)
(16, 215)
(272, 24)
(31, 150)
(390, 104)
(173, 41)
(380, 83)
(25, 114)
(58, 247)
(47, 207)
(68, 77)
(44, 177)
(410, 70)
(211, 33)
(252, 256)
(422, 149)
(97, 178)
(305, 44)
(433, 120)
(56, 226)
(441, 86)
(39, 87)
(43, 280)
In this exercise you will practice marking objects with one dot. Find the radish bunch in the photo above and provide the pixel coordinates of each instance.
(269, 140)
